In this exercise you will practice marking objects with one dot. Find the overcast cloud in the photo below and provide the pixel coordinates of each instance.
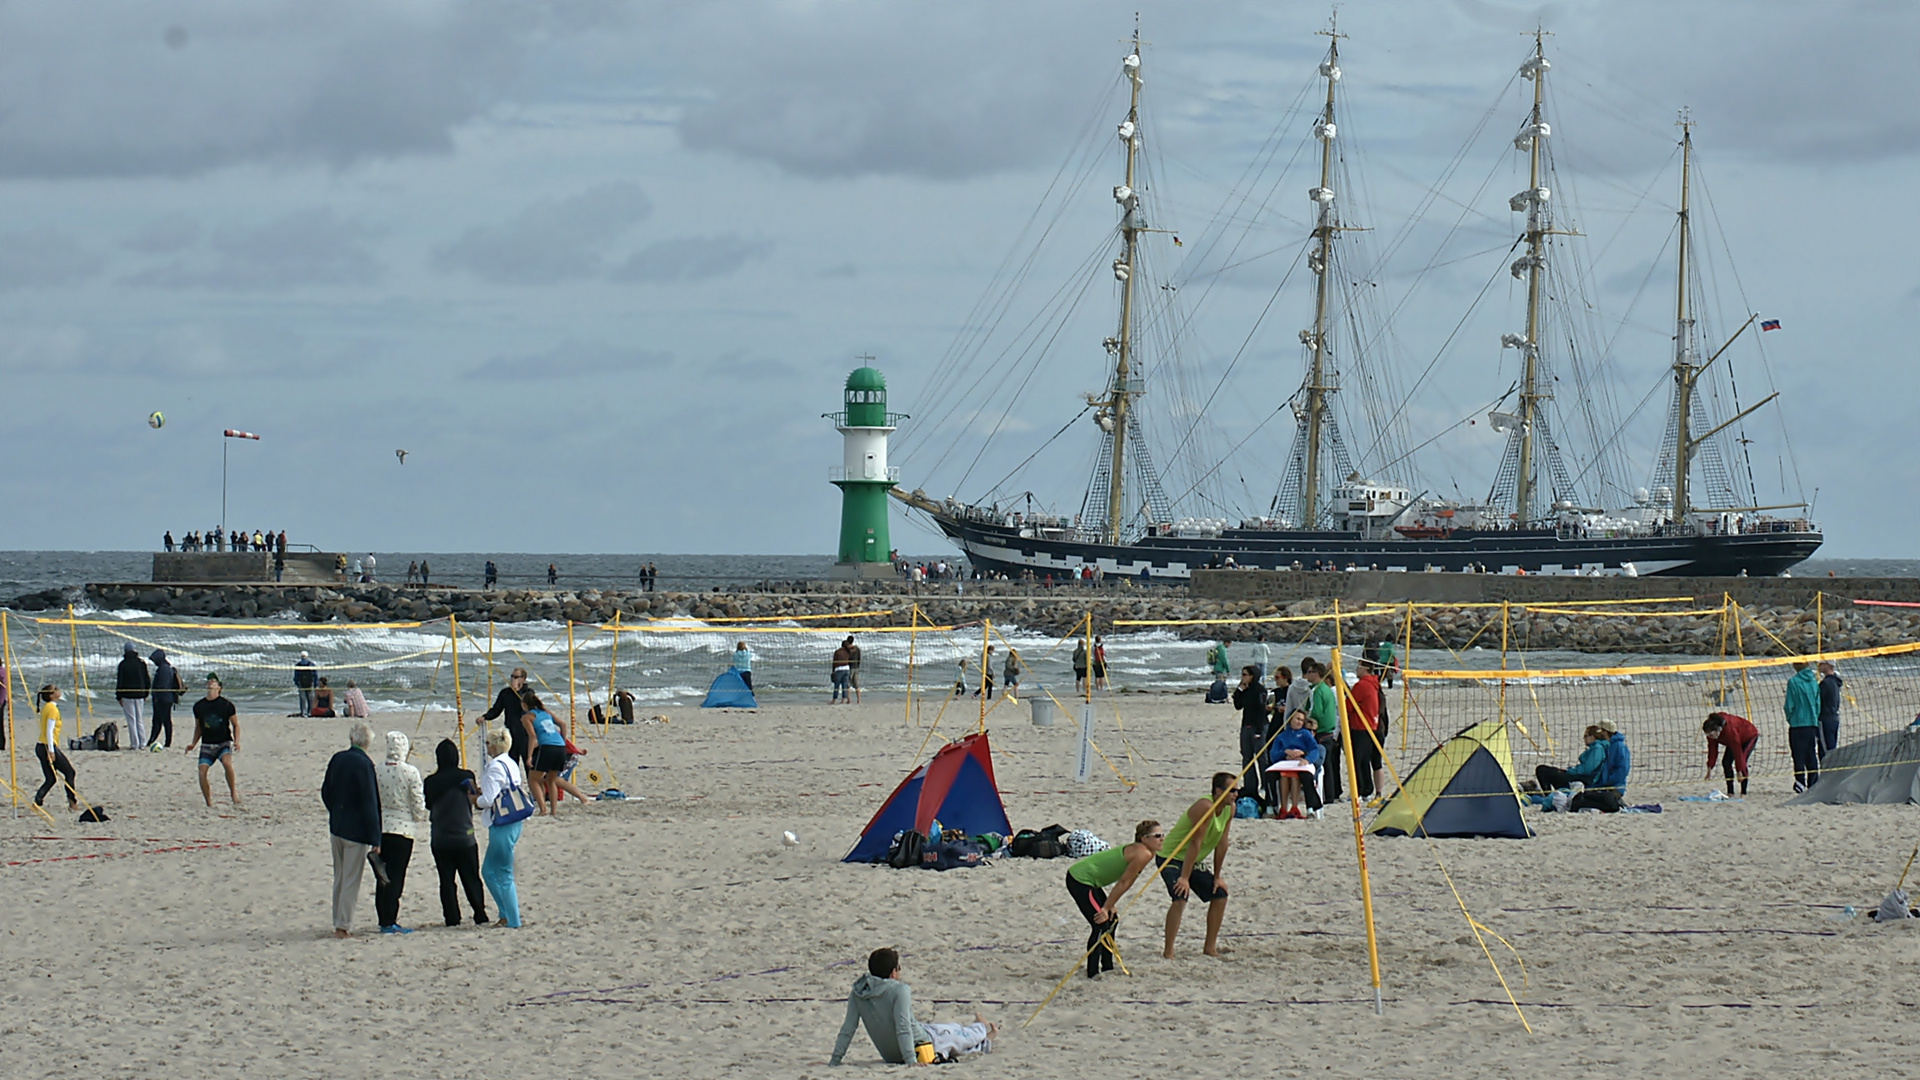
(613, 258)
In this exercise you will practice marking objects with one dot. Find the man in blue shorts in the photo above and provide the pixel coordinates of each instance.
(216, 731)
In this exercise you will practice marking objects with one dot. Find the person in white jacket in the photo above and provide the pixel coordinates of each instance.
(500, 773)
(402, 805)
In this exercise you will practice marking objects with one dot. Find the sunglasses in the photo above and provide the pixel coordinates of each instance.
(1155, 836)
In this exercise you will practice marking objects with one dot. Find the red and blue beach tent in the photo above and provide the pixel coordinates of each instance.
(956, 787)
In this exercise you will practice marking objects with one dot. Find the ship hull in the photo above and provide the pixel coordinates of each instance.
(999, 547)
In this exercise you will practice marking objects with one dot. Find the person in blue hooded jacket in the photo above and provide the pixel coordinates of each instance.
(1802, 707)
(1585, 771)
(1618, 761)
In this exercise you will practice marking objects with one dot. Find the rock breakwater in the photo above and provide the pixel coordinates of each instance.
(1775, 630)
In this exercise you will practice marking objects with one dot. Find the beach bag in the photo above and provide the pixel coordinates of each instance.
(1082, 843)
(907, 849)
(93, 814)
(1044, 843)
(106, 737)
(1246, 807)
(511, 805)
(1605, 800)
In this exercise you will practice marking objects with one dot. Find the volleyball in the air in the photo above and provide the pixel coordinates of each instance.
(156, 419)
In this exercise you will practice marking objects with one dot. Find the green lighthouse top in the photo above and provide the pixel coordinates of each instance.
(866, 398)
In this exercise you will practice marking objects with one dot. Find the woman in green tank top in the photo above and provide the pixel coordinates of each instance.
(1089, 878)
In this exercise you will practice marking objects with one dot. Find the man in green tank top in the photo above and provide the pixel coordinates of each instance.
(1202, 829)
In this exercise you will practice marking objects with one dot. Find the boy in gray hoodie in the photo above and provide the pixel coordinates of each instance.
(885, 1005)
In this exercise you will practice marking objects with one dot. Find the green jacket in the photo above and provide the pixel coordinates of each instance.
(1803, 699)
(1324, 707)
(885, 1006)
(1217, 657)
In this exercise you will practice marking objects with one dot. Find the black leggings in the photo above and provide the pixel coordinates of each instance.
(48, 763)
(162, 721)
(1090, 901)
(464, 862)
(395, 852)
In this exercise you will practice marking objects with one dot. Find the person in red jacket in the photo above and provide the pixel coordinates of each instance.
(1738, 735)
(1363, 718)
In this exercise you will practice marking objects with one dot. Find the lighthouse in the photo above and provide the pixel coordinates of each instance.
(864, 476)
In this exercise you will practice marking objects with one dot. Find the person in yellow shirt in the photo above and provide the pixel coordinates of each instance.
(47, 749)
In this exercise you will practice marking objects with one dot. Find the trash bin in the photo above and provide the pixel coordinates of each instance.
(1043, 710)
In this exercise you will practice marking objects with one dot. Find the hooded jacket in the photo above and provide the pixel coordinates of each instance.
(447, 803)
(885, 1006)
(1592, 763)
(402, 801)
(1830, 697)
(1803, 699)
(1613, 772)
(133, 680)
(166, 680)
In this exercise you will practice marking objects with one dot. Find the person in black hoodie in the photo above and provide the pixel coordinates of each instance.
(451, 794)
(167, 689)
(1250, 697)
(519, 728)
(130, 687)
(351, 793)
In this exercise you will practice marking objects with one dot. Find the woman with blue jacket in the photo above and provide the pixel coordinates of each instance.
(1296, 742)
(1586, 771)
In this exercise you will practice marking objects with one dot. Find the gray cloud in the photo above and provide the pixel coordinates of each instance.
(44, 259)
(269, 80)
(306, 247)
(164, 236)
(552, 241)
(848, 90)
(692, 258)
(570, 359)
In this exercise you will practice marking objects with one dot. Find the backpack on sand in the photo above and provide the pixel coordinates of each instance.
(907, 850)
(106, 737)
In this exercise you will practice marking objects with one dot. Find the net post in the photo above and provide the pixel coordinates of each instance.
(13, 736)
(1819, 621)
(986, 676)
(1505, 621)
(459, 704)
(613, 667)
(1088, 639)
(913, 632)
(1740, 642)
(1406, 685)
(1343, 700)
(79, 672)
(483, 723)
(570, 674)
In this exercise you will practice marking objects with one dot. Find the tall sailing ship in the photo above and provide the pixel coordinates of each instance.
(1696, 515)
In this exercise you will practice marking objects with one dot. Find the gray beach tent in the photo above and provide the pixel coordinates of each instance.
(1882, 768)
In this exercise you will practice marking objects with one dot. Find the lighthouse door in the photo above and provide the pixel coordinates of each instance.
(872, 466)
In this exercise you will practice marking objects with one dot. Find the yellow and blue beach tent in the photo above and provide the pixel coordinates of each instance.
(1464, 788)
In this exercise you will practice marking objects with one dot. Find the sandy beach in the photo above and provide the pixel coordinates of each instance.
(678, 936)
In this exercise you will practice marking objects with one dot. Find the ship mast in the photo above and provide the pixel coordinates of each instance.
(1684, 371)
(1317, 388)
(1536, 263)
(1115, 407)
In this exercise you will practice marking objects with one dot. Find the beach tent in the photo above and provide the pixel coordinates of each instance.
(729, 691)
(1463, 788)
(956, 787)
(1882, 768)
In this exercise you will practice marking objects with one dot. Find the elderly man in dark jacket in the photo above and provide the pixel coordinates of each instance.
(351, 793)
(130, 687)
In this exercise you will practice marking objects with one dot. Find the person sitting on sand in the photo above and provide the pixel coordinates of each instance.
(1116, 868)
(356, 701)
(1201, 829)
(1296, 743)
(1585, 771)
(884, 1005)
(1738, 735)
(323, 699)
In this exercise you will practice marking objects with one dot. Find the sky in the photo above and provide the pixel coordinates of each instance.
(600, 266)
